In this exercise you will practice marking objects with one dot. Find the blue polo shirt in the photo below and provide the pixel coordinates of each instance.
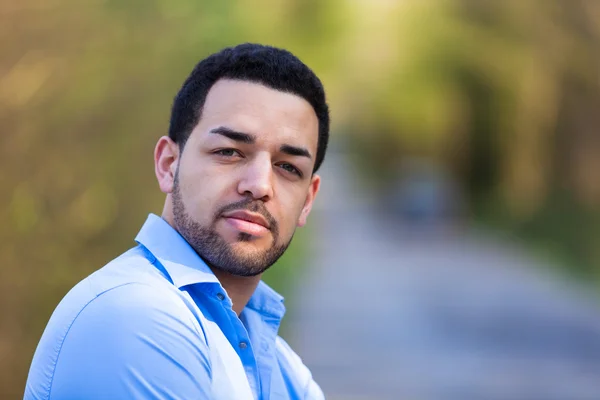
(155, 323)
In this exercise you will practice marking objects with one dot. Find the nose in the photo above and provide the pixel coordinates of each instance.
(257, 179)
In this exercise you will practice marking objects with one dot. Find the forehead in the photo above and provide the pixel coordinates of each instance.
(267, 113)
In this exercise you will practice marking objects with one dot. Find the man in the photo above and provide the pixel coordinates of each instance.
(184, 314)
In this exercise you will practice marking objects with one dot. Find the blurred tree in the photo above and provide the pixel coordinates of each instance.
(502, 93)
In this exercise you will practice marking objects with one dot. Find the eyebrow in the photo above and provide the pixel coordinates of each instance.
(251, 139)
(295, 151)
(234, 135)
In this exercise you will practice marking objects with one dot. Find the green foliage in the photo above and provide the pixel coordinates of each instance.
(505, 96)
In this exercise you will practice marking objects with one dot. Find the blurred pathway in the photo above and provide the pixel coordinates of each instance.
(389, 314)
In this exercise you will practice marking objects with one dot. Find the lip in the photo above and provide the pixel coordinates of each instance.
(249, 216)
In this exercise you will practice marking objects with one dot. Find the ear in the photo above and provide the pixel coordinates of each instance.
(166, 159)
(315, 183)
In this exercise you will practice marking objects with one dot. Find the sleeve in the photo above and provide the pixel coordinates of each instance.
(294, 365)
(133, 342)
(314, 392)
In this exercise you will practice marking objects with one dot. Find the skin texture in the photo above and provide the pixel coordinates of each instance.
(242, 161)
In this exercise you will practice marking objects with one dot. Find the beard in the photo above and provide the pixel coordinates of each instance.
(213, 248)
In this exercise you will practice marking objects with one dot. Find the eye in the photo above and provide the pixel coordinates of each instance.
(227, 152)
(291, 169)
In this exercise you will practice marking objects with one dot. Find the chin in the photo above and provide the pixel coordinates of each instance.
(248, 248)
(247, 240)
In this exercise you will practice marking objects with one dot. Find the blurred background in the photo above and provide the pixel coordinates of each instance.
(454, 252)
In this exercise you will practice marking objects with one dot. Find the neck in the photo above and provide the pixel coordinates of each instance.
(239, 288)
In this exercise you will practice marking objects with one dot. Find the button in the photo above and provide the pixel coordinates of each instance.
(220, 296)
(243, 345)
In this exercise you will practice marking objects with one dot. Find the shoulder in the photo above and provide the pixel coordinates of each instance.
(107, 320)
(295, 369)
(132, 303)
(126, 283)
(127, 315)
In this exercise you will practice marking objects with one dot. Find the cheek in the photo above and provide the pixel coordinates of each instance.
(202, 196)
(292, 207)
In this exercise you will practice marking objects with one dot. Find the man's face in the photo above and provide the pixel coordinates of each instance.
(244, 179)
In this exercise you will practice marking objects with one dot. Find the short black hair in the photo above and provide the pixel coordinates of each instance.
(270, 66)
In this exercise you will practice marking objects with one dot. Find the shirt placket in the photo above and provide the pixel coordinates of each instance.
(240, 340)
(264, 331)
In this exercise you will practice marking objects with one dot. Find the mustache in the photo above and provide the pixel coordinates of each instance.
(252, 206)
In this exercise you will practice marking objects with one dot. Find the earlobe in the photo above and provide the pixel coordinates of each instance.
(166, 156)
(310, 198)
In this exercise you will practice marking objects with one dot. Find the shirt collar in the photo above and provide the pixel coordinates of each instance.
(180, 260)
(267, 301)
(185, 267)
